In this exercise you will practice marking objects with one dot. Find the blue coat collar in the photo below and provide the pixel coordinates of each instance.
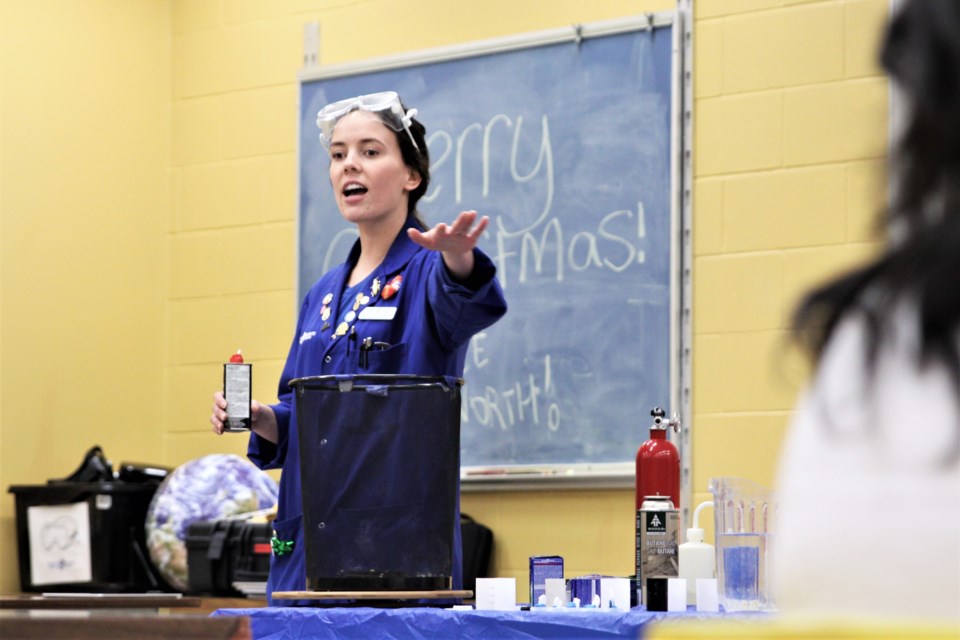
(400, 253)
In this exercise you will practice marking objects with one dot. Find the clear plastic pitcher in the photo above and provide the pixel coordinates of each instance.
(743, 520)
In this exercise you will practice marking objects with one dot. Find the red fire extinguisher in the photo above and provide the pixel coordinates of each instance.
(658, 462)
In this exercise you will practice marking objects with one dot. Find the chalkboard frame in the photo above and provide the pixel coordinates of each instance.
(580, 475)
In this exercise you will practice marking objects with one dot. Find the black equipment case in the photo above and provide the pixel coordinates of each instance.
(223, 552)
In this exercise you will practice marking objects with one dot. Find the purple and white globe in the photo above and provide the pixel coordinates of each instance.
(208, 488)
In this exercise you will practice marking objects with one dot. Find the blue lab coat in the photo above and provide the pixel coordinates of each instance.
(429, 333)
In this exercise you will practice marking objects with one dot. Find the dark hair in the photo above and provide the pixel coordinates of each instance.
(418, 160)
(921, 266)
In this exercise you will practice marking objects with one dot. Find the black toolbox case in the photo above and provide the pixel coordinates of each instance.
(221, 552)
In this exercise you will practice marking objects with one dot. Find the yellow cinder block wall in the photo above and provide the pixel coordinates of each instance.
(85, 203)
(790, 137)
(148, 193)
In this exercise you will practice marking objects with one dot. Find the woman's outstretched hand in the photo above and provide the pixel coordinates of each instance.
(455, 241)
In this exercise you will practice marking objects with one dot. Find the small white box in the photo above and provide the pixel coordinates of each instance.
(676, 594)
(615, 591)
(555, 591)
(497, 594)
(707, 597)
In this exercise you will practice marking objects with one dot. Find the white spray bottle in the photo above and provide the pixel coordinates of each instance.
(697, 558)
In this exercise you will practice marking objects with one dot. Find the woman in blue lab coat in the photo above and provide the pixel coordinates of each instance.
(419, 293)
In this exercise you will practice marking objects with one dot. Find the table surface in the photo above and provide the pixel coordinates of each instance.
(294, 623)
(21, 625)
(203, 605)
(99, 601)
(370, 595)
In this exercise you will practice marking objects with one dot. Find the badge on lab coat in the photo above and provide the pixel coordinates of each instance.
(377, 313)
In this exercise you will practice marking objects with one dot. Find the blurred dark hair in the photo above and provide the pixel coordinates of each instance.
(921, 266)
(418, 160)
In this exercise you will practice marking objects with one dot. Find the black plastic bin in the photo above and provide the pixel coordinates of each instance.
(364, 530)
(115, 514)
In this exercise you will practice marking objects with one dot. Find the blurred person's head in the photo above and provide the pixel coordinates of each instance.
(921, 53)
(920, 267)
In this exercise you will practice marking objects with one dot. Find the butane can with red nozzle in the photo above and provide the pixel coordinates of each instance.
(237, 382)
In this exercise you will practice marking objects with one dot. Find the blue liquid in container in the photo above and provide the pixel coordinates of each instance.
(742, 572)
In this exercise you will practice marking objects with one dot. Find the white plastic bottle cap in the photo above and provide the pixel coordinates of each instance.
(694, 534)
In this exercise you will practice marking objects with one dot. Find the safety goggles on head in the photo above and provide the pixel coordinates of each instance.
(386, 103)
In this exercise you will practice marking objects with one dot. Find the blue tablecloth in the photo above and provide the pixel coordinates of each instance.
(299, 623)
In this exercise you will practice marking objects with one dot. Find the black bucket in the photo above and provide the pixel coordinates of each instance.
(380, 471)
